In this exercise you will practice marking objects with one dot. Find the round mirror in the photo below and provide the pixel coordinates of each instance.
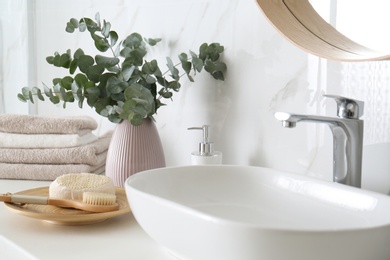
(299, 22)
(362, 21)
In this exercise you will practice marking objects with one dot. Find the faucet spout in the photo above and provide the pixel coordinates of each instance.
(347, 144)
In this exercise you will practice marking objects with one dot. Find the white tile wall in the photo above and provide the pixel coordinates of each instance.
(266, 73)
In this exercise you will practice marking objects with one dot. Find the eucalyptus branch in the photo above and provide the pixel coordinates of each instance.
(124, 85)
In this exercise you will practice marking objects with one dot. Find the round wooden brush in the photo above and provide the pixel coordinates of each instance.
(92, 201)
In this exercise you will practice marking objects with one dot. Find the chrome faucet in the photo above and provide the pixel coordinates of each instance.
(347, 131)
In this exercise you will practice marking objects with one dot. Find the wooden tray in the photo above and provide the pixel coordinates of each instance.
(66, 216)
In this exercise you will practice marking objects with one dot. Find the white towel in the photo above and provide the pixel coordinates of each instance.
(37, 124)
(44, 171)
(92, 154)
(8, 140)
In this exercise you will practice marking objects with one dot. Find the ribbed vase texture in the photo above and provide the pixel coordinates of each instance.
(133, 149)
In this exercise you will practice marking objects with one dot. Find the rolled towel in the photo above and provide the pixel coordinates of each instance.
(44, 172)
(9, 140)
(93, 154)
(34, 124)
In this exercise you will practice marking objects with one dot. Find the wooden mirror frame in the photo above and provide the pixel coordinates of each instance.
(300, 23)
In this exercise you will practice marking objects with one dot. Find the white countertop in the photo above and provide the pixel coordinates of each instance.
(23, 237)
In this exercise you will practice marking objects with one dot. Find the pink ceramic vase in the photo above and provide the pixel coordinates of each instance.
(133, 149)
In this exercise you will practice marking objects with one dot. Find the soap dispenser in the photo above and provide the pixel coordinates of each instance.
(206, 153)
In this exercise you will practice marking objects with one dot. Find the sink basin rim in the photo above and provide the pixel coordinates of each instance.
(223, 221)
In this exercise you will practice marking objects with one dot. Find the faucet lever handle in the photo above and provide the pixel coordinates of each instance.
(347, 107)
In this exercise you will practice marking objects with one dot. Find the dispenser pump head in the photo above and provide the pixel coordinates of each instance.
(205, 147)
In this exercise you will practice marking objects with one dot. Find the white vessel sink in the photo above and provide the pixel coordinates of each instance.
(239, 212)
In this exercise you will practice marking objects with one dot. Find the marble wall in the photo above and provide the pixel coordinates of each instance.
(266, 73)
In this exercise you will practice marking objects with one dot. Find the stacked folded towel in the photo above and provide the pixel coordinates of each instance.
(44, 147)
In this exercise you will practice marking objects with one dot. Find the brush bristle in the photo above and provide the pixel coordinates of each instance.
(98, 198)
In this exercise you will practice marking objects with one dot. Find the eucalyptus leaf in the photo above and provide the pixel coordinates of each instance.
(132, 41)
(21, 97)
(38, 92)
(136, 119)
(118, 108)
(166, 94)
(137, 91)
(62, 94)
(78, 53)
(117, 50)
(203, 51)
(85, 61)
(56, 81)
(218, 75)
(197, 63)
(185, 64)
(64, 60)
(152, 42)
(58, 60)
(103, 78)
(80, 80)
(175, 85)
(215, 69)
(101, 104)
(183, 57)
(50, 59)
(25, 91)
(106, 62)
(190, 78)
(69, 97)
(115, 86)
(73, 66)
(149, 79)
(174, 71)
(76, 90)
(106, 29)
(26, 94)
(47, 91)
(30, 97)
(127, 71)
(69, 27)
(97, 19)
(104, 113)
(75, 22)
(115, 69)
(66, 82)
(55, 99)
(56, 89)
(81, 101)
(114, 119)
(93, 91)
(214, 50)
(113, 38)
(92, 27)
(151, 68)
(94, 72)
(102, 45)
(89, 84)
(117, 97)
(133, 56)
(82, 26)
(79, 96)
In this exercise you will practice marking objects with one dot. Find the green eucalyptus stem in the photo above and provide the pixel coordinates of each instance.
(124, 85)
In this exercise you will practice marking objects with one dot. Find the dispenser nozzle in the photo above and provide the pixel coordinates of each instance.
(205, 147)
(205, 129)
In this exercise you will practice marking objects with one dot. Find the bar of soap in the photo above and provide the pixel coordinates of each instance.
(73, 185)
